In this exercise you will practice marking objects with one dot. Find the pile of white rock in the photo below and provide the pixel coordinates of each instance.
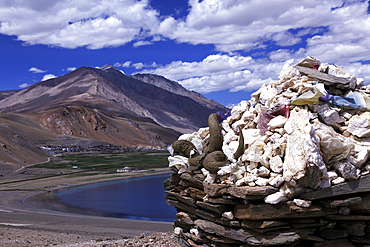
(307, 131)
(287, 167)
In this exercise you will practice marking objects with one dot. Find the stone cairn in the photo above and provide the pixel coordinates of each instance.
(287, 168)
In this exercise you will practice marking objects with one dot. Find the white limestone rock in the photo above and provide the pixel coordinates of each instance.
(251, 135)
(263, 172)
(302, 203)
(248, 116)
(264, 160)
(228, 215)
(262, 181)
(254, 152)
(360, 156)
(338, 72)
(332, 175)
(277, 122)
(267, 95)
(239, 109)
(177, 230)
(275, 198)
(288, 72)
(333, 147)
(195, 232)
(338, 180)
(277, 181)
(276, 164)
(230, 136)
(303, 160)
(360, 125)
(309, 62)
(328, 115)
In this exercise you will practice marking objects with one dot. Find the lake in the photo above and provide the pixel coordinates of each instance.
(133, 198)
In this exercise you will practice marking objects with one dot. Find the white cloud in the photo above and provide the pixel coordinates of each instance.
(70, 24)
(36, 70)
(265, 33)
(71, 68)
(142, 43)
(221, 72)
(138, 65)
(126, 64)
(48, 76)
(23, 85)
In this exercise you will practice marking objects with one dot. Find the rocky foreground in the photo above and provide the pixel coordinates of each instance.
(16, 237)
(290, 167)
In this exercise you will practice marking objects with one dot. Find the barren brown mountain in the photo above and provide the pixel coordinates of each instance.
(91, 106)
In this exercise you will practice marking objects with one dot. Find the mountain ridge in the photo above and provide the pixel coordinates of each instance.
(91, 105)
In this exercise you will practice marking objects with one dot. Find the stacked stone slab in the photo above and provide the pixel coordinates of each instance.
(229, 215)
(290, 167)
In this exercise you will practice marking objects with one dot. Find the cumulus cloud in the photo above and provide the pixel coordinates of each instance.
(264, 33)
(48, 76)
(270, 32)
(140, 66)
(71, 68)
(70, 24)
(36, 70)
(124, 65)
(23, 85)
(232, 72)
(142, 43)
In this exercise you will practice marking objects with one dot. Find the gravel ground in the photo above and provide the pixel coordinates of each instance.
(20, 237)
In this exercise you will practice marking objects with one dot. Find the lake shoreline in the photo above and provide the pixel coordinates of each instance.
(51, 201)
(18, 215)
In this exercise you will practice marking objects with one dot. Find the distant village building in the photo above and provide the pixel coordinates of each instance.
(127, 169)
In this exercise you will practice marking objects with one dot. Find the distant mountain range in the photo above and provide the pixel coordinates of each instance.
(91, 106)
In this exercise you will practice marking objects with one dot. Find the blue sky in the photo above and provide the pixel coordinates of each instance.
(224, 49)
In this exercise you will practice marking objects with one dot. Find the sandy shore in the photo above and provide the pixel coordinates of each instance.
(22, 224)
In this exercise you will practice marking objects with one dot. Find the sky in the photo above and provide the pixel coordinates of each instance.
(223, 49)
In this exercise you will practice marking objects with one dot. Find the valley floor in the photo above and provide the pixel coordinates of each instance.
(22, 224)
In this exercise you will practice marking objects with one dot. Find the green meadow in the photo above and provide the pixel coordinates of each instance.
(108, 162)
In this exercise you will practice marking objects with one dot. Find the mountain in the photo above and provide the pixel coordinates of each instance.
(91, 106)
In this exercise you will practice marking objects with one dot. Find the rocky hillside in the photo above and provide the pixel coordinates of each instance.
(92, 106)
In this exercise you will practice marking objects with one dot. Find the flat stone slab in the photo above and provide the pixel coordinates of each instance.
(341, 203)
(185, 199)
(212, 207)
(278, 211)
(247, 237)
(352, 187)
(237, 191)
(194, 181)
(324, 78)
(348, 217)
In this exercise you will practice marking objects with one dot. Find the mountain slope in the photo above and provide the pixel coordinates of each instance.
(114, 94)
(94, 107)
(175, 87)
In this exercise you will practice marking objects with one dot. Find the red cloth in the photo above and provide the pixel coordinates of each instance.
(265, 117)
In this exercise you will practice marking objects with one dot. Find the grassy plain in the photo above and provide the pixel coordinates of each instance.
(108, 162)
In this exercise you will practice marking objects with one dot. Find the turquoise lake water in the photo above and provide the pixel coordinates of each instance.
(134, 198)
